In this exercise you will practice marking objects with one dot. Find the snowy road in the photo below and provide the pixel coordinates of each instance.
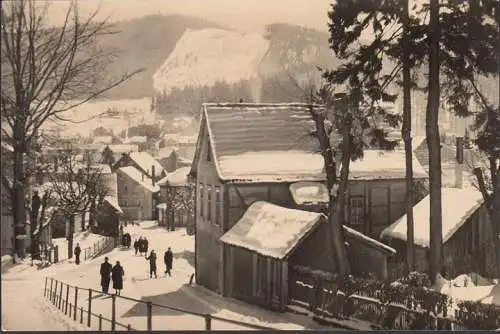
(22, 288)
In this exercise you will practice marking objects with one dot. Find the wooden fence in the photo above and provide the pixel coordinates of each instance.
(97, 247)
(68, 299)
(327, 301)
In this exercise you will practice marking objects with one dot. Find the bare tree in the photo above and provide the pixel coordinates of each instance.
(77, 185)
(46, 71)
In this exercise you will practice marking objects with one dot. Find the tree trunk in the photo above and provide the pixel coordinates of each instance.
(406, 134)
(333, 217)
(84, 213)
(433, 142)
(495, 221)
(71, 233)
(19, 199)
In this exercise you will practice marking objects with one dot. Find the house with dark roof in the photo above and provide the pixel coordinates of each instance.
(264, 152)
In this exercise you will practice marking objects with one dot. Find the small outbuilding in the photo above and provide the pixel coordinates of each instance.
(262, 247)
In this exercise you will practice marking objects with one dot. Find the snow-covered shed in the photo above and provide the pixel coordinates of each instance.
(263, 244)
(108, 217)
(468, 244)
(250, 152)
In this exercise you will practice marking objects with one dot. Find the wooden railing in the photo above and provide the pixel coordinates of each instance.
(68, 299)
(97, 247)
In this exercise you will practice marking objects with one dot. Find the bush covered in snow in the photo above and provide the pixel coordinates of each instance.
(478, 316)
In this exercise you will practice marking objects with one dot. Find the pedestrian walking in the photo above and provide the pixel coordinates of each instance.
(105, 275)
(117, 274)
(168, 258)
(152, 264)
(136, 246)
(141, 246)
(77, 252)
(145, 246)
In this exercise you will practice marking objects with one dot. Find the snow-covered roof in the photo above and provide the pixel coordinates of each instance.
(309, 192)
(137, 176)
(457, 206)
(367, 240)
(114, 203)
(272, 230)
(103, 139)
(124, 148)
(145, 161)
(137, 139)
(276, 145)
(178, 178)
(379, 164)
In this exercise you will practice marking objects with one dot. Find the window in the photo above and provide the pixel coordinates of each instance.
(357, 210)
(217, 219)
(209, 203)
(202, 202)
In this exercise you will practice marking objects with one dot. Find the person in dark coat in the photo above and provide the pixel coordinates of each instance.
(141, 245)
(145, 246)
(77, 252)
(117, 274)
(152, 264)
(129, 239)
(136, 246)
(105, 275)
(168, 258)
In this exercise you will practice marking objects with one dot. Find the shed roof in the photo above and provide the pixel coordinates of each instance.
(114, 203)
(137, 176)
(272, 230)
(146, 161)
(457, 206)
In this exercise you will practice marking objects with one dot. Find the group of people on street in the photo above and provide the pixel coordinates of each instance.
(114, 273)
(126, 240)
(167, 258)
(141, 246)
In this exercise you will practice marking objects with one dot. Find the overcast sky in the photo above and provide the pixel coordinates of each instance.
(245, 15)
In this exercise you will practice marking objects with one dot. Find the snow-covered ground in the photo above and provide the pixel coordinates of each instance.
(469, 288)
(173, 291)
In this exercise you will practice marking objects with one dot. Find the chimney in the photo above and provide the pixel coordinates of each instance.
(153, 174)
(459, 162)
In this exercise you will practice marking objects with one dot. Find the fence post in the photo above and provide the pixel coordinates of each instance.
(208, 322)
(90, 308)
(100, 322)
(66, 303)
(56, 254)
(150, 315)
(81, 314)
(45, 288)
(54, 294)
(113, 312)
(50, 292)
(76, 302)
(60, 296)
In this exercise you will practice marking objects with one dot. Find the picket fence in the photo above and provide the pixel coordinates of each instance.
(58, 293)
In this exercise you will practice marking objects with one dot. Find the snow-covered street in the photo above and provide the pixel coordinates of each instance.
(172, 291)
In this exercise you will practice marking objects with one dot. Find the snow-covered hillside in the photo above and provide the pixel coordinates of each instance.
(203, 57)
(125, 112)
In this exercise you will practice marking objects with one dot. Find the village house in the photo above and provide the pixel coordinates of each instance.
(137, 194)
(235, 166)
(144, 163)
(120, 149)
(468, 240)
